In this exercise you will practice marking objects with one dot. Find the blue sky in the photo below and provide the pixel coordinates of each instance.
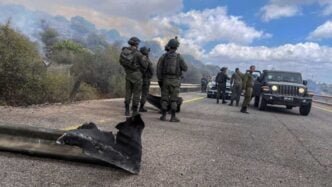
(290, 30)
(281, 34)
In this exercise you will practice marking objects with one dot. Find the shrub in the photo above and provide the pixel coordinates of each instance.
(57, 87)
(21, 69)
(86, 92)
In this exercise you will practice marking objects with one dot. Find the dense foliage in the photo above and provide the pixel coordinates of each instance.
(66, 69)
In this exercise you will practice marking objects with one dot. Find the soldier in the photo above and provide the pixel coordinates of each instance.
(147, 76)
(132, 61)
(169, 72)
(236, 83)
(248, 83)
(221, 81)
(204, 83)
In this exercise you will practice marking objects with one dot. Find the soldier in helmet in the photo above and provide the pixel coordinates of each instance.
(236, 83)
(248, 83)
(169, 72)
(132, 61)
(147, 76)
(221, 81)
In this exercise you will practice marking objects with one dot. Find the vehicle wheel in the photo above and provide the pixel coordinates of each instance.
(256, 101)
(289, 107)
(262, 103)
(305, 109)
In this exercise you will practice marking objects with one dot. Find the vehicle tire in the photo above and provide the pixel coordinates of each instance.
(289, 107)
(305, 109)
(262, 103)
(256, 101)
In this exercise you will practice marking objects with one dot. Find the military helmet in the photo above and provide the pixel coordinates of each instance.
(173, 43)
(134, 41)
(144, 50)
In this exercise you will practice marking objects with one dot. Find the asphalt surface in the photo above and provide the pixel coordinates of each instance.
(214, 145)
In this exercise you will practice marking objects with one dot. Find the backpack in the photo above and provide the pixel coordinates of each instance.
(171, 64)
(127, 57)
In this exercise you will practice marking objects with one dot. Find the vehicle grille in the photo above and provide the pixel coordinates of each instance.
(289, 90)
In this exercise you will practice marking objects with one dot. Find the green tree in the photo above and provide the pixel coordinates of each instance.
(66, 52)
(21, 69)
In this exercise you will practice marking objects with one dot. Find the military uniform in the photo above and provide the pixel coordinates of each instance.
(221, 81)
(236, 82)
(248, 84)
(204, 83)
(147, 75)
(169, 71)
(132, 61)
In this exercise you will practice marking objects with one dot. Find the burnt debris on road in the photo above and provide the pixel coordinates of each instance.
(123, 150)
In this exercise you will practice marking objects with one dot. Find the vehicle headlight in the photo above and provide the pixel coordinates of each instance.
(301, 90)
(274, 88)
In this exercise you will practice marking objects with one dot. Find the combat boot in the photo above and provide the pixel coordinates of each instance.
(231, 104)
(244, 110)
(163, 115)
(127, 112)
(135, 111)
(217, 101)
(173, 117)
(142, 109)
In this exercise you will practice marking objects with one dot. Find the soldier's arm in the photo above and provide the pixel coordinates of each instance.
(150, 67)
(245, 80)
(183, 65)
(232, 79)
(159, 68)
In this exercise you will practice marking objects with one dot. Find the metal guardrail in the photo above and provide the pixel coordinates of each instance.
(154, 88)
(322, 99)
(155, 85)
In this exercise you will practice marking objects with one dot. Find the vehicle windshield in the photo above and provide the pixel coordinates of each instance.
(284, 77)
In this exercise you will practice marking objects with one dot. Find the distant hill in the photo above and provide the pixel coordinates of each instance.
(31, 23)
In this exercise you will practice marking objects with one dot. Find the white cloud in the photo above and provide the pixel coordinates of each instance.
(323, 31)
(276, 9)
(308, 58)
(215, 25)
(197, 28)
(301, 52)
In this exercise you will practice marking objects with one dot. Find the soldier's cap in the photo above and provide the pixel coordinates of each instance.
(144, 50)
(134, 41)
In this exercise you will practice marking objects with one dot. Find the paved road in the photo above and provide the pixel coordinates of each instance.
(214, 145)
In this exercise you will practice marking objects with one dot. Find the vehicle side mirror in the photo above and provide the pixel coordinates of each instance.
(305, 83)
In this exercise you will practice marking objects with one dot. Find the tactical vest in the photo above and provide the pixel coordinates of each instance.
(171, 64)
(128, 60)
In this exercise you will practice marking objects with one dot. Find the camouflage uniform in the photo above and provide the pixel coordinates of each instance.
(147, 75)
(236, 82)
(221, 81)
(248, 83)
(170, 83)
(134, 76)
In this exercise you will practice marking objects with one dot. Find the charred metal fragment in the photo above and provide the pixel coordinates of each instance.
(123, 150)
(156, 101)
